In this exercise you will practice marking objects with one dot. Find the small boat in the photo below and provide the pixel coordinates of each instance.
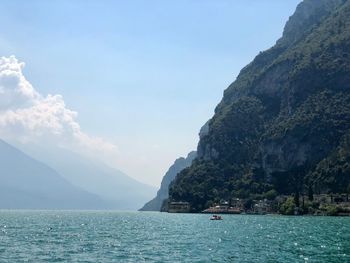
(216, 217)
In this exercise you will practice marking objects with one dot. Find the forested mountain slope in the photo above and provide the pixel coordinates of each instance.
(284, 124)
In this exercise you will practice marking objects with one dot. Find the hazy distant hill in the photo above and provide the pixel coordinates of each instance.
(122, 191)
(284, 124)
(29, 184)
(163, 193)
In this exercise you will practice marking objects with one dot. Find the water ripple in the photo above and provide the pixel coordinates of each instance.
(67, 236)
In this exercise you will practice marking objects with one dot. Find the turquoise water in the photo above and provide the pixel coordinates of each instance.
(61, 236)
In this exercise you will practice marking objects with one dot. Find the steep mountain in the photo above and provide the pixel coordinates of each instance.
(163, 193)
(30, 184)
(122, 191)
(283, 125)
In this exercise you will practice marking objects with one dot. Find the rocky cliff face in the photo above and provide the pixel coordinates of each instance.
(163, 193)
(307, 16)
(285, 115)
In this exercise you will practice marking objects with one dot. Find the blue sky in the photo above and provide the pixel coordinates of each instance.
(144, 75)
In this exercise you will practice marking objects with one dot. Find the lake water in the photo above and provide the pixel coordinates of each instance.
(86, 236)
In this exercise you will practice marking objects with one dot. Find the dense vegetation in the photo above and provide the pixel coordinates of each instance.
(283, 127)
(163, 193)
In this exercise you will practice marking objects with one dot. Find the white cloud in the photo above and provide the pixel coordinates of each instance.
(28, 116)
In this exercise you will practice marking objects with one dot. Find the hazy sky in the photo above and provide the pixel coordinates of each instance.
(142, 75)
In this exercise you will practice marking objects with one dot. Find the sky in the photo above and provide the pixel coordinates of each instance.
(132, 81)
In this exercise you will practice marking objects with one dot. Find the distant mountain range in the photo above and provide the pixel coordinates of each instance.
(64, 180)
(29, 184)
(122, 191)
